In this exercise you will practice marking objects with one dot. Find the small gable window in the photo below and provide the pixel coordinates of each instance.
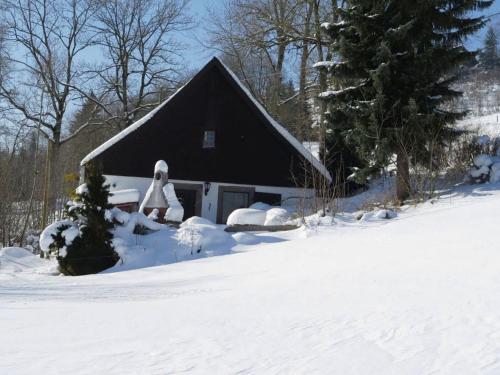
(209, 139)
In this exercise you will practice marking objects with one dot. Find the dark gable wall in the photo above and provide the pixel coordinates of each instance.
(248, 150)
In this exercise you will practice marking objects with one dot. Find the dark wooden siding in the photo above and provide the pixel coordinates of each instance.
(248, 149)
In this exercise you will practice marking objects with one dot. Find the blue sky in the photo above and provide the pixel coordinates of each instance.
(196, 55)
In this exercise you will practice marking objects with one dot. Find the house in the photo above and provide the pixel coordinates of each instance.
(223, 149)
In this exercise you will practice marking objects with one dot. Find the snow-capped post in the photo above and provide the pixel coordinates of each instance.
(82, 243)
(155, 203)
(160, 202)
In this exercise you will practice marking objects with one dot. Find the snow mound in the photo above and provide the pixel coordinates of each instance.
(247, 216)
(277, 216)
(196, 220)
(486, 169)
(161, 244)
(200, 237)
(483, 161)
(17, 259)
(246, 238)
(478, 172)
(259, 214)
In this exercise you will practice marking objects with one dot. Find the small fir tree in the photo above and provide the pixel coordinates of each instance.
(489, 54)
(395, 62)
(83, 243)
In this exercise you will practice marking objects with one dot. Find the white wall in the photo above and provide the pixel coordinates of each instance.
(289, 196)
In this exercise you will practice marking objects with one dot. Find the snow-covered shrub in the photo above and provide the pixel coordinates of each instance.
(247, 216)
(198, 235)
(485, 168)
(259, 214)
(277, 216)
(460, 156)
(82, 243)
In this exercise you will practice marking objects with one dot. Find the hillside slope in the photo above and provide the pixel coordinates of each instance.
(418, 294)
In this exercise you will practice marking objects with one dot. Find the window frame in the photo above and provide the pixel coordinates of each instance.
(205, 139)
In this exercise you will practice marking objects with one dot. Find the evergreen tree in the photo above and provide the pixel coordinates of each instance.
(489, 53)
(83, 243)
(396, 63)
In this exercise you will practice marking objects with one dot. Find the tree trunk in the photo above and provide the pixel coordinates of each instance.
(403, 176)
(304, 126)
(55, 175)
(323, 81)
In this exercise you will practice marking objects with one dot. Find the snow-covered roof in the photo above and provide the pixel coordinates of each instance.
(313, 148)
(124, 196)
(281, 130)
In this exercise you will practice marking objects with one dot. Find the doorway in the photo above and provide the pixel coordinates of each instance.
(189, 196)
(231, 198)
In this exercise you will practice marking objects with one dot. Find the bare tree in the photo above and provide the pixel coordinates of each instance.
(140, 50)
(44, 38)
(262, 28)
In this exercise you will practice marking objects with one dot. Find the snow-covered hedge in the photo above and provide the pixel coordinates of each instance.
(247, 216)
(486, 168)
(259, 214)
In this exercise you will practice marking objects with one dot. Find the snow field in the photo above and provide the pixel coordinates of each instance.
(417, 294)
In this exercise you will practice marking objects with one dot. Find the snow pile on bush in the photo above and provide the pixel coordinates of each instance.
(198, 235)
(277, 216)
(486, 168)
(260, 214)
(247, 216)
(49, 233)
(142, 242)
(316, 220)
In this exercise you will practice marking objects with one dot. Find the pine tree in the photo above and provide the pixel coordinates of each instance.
(396, 64)
(83, 243)
(489, 54)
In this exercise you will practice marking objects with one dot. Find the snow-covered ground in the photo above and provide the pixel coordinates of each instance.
(484, 125)
(417, 294)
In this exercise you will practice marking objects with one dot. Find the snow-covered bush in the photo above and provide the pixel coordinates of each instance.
(460, 157)
(247, 216)
(82, 243)
(485, 168)
(277, 216)
(198, 235)
(259, 214)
